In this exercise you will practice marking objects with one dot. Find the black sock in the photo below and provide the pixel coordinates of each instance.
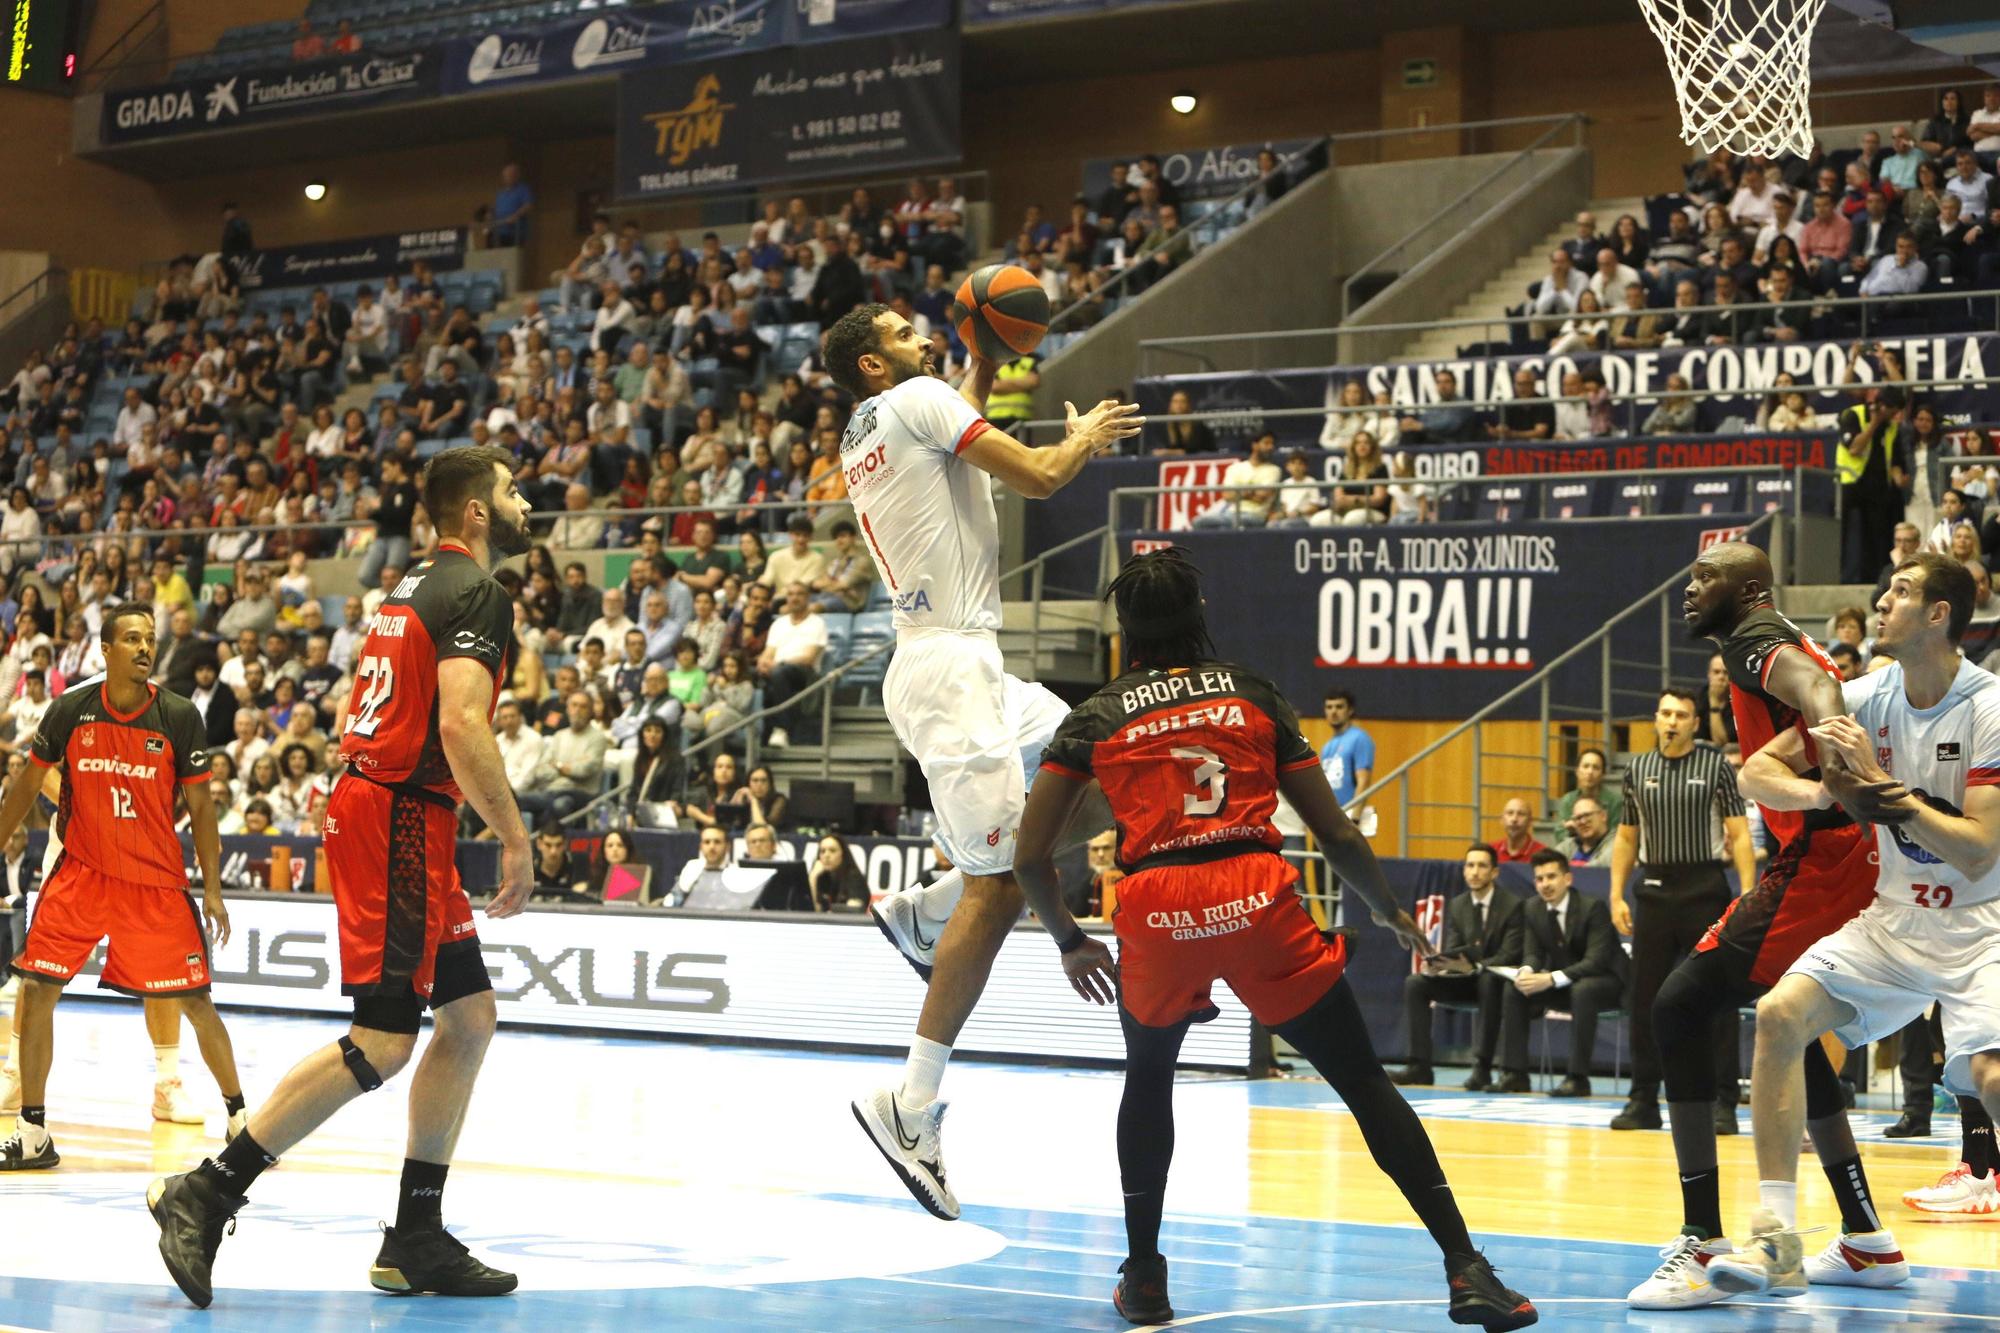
(233, 1104)
(1850, 1191)
(1976, 1127)
(1142, 1220)
(36, 1115)
(1334, 1037)
(1146, 1129)
(1701, 1203)
(421, 1203)
(239, 1164)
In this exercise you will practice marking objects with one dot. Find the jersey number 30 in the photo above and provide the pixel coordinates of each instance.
(1211, 780)
(378, 678)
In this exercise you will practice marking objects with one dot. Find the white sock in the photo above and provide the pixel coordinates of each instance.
(1782, 1198)
(924, 1071)
(166, 1063)
(937, 902)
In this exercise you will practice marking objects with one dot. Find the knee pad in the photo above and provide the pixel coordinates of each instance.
(357, 1065)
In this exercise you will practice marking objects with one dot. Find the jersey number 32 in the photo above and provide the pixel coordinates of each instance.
(375, 677)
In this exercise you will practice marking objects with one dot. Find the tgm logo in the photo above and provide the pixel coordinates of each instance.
(696, 125)
(500, 58)
(607, 42)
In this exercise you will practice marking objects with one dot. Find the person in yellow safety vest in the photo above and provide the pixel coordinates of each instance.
(1871, 503)
(1013, 398)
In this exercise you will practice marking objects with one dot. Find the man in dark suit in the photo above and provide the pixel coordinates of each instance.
(1570, 960)
(1481, 925)
(215, 701)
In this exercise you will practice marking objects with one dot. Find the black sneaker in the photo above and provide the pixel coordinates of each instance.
(192, 1214)
(1639, 1113)
(1909, 1126)
(14, 1154)
(1413, 1076)
(1142, 1291)
(1725, 1120)
(432, 1259)
(1478, 1298)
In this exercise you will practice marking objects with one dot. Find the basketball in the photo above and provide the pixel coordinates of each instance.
(1001, 312)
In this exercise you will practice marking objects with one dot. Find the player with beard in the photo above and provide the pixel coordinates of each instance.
(417, 740)
(919, 457)
(1780, 683)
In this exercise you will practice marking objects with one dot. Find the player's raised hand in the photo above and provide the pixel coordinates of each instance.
(517, 880)
(1091, 972)
(1104, 425)
(217, 914)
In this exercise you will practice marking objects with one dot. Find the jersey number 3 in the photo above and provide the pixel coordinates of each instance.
(379, 678)
(1211, 780)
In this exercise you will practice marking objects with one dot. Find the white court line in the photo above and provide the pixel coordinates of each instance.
(997, 1291)
(1798, 1307)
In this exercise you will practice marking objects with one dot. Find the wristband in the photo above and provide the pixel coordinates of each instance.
(1073, 941)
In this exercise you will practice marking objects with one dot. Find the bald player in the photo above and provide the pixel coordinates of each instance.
(1780, 682)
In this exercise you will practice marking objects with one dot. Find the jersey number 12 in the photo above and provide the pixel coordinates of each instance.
(121, 804)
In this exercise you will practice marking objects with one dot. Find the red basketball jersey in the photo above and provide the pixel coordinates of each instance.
(1188, 758)
(1760, 715)
(121, 775)
(445, 607)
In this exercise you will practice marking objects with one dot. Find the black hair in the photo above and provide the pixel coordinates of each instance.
(455, 476)
(1602, 757)
(1346, 696)
(1683, 692)
(844, 526)
(1158, 600)
(107, 629)
(852, 337)
(1549, 856)
(1944, 580)
(1492, 857)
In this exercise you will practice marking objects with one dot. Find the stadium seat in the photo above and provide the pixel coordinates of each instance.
(839, 639)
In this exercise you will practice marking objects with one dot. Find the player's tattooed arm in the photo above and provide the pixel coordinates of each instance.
(1052, 805)
(1349, 853)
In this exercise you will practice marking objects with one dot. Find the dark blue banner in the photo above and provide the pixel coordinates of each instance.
(355, 259)
(1735, 381)
(1198, 173)
(251, 97)
(839, 109)
(982, 12)
(1428, 621)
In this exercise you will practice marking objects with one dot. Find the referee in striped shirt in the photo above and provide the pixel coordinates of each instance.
(1683, 816)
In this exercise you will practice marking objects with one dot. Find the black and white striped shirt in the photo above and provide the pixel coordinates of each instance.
(1678, 805)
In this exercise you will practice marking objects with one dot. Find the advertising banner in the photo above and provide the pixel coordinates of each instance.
(983, 12)
(830, 981)
(1199, 173)
(844, 108)
(225, 102)
(1734, 380)
(1432, 621)
(357, 258)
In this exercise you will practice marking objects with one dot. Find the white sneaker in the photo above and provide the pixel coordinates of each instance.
(31, 1148)
(1860, 1259)
(172, 1104)
(899, 917)
(1681, 1281)
(1957, 1192)
(10, 1091)
(908, 1141)
(778, 739)
(238, 1122)
(1772, 1261)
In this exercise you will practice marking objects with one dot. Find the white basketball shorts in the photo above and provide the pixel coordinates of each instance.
(976, 732)
(1889, 963)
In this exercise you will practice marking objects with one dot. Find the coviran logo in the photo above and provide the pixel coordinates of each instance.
(696, 125)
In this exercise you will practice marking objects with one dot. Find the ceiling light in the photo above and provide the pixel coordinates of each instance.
(315, 190)
(1182, 102)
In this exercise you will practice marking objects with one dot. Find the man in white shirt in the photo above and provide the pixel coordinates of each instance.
(920, 461)
(1984, 127)
(1608, 283)
(611, 626)
(796, 563)
(347, 640)
(363, 343)
(26, 714)
(708, 870)
(576, 530)
(1782, 223)
(790, 660)
(1753, 204)
(1973, 186)
(573, 761)
(1247, 509)
(136, 414)
(522, 750)
(1900, 274)
(610, 416)
(1557, 293)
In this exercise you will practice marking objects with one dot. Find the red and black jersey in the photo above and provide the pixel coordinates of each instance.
(1748, 653)
(1188, 758)
(445, 607)
(121, 775)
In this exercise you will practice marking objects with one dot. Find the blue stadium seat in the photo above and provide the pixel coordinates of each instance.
(839, 639)
(870, 629)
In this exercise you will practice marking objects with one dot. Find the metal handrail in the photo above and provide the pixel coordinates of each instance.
(1455, 208)
(1180, 344)
(34, 289)
(101, 67)
(1539, 680)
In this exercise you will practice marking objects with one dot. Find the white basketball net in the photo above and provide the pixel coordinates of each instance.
(1742, 70)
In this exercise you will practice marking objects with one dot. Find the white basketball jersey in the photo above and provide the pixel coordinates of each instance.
(1937, 753)
(926, 514)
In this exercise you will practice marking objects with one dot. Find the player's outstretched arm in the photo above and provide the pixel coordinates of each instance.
(465, 694)
(1052, 804)
(1040, 473)
(1797, 680)
(208, 855)
(1348, 852)
(977, 386)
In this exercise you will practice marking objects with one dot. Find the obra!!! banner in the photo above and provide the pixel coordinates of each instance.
(843, 108)
(1430, 622)
(1732, 382)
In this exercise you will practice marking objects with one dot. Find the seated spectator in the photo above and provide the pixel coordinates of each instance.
(1300, 497)
(1783, 319)
(1556, 294)
(1755, 200)
(1972, 186)
(790, 663)
(522, 754)
(1782, 224)
(577, 530)
(1824, 242)
(717, 788)
(1588, 841)
(1410, 500)
(1590, 771)
(658, 771)
(1584, 331)
(573, 764)
(835, 879)
(1517, 842)
(1872, 236)
(1676, 415)
(1187, 437)
(308, 45)
(613, 849)
(1635, 325)
(1677, 254)
(1609, 278)
(706, 870)
(760, 843)
(1898, 274)
(850, 574)
(656, 701)
(1248, 508)
(1363, 496)
(1571, 960)
(554, 878)
(730, 696)
(1482, 926)
(767, 804)
(1582, 248)
(796, 563)
(1450, 421)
